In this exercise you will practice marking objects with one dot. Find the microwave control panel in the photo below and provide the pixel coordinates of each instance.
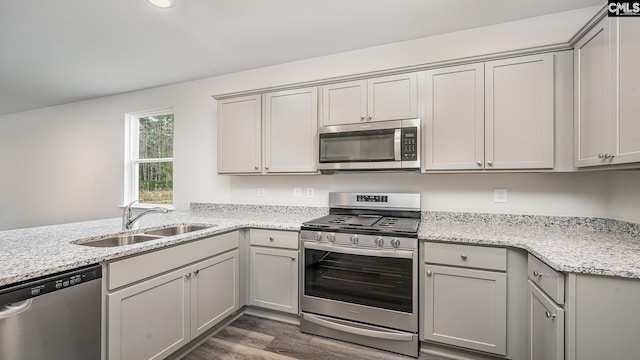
(409, 144)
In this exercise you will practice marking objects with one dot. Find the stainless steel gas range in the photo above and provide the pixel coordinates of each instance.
(359, 278)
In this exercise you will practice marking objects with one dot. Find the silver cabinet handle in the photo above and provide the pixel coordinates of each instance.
(266, 168)
(463, 257)
(370, 117)
(187, 275)
(429, 273)
(293, 258)
(549, 315)
(196, 272)
(489, 162)
(256, 168)
(606, 156)
(271, 238)
(479, 163)
(537, 274)
(361, 118)
(601, 155)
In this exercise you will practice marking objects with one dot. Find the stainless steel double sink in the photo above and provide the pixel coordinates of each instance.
(145, 235)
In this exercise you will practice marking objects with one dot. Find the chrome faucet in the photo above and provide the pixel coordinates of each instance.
(128, 221)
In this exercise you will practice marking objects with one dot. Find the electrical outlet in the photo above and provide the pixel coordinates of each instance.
(297, 192)
(499, 195)
(311, 192)
(260, 192)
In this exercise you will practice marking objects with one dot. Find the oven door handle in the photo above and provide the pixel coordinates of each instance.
(401, 254)
(386, 335)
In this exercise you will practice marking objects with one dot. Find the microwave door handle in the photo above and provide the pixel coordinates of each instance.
(397, 137)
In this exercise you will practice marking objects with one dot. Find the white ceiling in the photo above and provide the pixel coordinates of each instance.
(55, 52)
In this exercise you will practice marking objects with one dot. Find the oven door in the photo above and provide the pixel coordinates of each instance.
(372, 286)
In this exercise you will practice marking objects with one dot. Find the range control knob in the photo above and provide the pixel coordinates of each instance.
(395, 243)
(331, 237)
(317, 236)
(354, 239)
(379, 241)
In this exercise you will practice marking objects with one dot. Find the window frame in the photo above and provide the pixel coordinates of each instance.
(132, 157)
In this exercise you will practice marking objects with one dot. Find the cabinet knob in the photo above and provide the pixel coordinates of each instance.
(196, 272)
(601, 156)
(549, 315)
(256, 168)
(537, 274)
(361, 118)
(606, 156)
(188, 275)
(293, 258)
(479, 163)
(489, 162)
(429, 273)
(266, 168)
(271, 238)
(370, 117)
(463, 257)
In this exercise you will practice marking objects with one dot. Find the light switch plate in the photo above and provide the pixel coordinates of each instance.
(297, 192)
(261, 192)
(311, 192)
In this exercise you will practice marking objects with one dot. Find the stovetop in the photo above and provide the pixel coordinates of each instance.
(346, 222)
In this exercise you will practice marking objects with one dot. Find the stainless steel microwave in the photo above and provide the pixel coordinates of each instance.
(383, 145)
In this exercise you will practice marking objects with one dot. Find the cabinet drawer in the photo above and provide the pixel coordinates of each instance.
(274, 238)
(479, 257)
(549, 280)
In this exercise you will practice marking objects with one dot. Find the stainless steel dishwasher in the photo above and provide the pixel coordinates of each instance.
(56, 317)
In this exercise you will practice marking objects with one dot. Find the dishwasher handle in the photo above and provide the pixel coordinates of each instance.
(9, 310)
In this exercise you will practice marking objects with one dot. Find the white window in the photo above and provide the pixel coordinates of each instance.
(149, 158)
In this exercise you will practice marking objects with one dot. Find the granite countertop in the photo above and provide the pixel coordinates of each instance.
(593, 246)
(580, 245)
(33, 252)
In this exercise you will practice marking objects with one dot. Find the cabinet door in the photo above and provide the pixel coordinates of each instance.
(393, 97)
(274, 279)
(519, 113)
(454, 129)
(215, 291)
(291, 128)
(239, 145)
(149, 320)
(466, 308)
(546, 327)
(344, 103)
(591, 91)
(626, 91)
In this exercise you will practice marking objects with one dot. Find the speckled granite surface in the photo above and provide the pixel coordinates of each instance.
(582, 245)
(579, 245)
(33, 252)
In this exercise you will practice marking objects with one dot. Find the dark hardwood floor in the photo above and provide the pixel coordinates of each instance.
(254, 338)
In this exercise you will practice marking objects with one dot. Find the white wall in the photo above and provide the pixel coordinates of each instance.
(65, 163)
(624, 195)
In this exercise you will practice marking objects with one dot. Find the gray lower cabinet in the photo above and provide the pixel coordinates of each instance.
(466, 307)
(465, 296)
(546, 326)
(273, 279)
(150, 317)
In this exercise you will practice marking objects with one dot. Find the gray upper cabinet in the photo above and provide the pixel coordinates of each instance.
(519, 113)
(383, 98)
(280, 139)
(496, 115)
(291, 128)
(607, 129)
(239, 135)
(454, 121)
(626, 95)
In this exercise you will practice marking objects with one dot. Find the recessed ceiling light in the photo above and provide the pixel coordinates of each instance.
(163, 3)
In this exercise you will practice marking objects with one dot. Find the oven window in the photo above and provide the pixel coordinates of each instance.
(366, 280)
(362, 146)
